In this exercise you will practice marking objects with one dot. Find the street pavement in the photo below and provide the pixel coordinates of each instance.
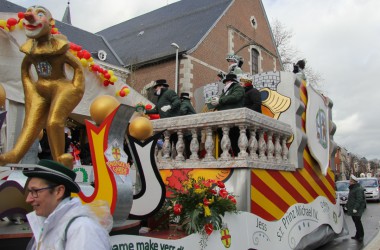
(371, 224)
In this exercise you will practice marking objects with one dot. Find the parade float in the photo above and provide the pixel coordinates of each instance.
(277, 193)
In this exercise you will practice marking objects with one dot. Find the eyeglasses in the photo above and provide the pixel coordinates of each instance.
(34, 192)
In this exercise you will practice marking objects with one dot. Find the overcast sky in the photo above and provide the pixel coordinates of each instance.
(340, 39)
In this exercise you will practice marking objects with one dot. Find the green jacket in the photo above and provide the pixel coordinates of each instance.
(356, 200)
(167, 97)
(187, 108)
(233, 98)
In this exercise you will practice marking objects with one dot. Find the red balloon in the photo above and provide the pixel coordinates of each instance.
(122, 93)
(95, 67)
(20, 15)
(106, 75)
(154, 116)
(106, 83)
(80, 54)
(86, 54)
(11, 21)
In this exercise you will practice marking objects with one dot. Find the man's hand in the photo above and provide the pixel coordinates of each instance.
(354, 211)
(166, 108)
(215, 100)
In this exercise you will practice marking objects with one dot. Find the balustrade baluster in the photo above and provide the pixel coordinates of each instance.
(225, 144)
(209, 145)
(270, 146)
(285, 150)
(243, 142)
(180, 147)
(166, 146)
(277, 148)
(194, 145)
(262, 145)
(253, 144)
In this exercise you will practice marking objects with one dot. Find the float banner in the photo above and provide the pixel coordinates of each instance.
(248, 231)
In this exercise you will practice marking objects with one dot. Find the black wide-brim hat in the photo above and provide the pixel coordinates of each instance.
(161, 82)
(55, 172)
(185, 95)
(230, 77)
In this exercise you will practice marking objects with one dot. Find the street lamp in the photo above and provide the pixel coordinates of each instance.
(176, 65)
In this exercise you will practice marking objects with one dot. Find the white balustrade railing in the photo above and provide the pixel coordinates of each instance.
(262, 141)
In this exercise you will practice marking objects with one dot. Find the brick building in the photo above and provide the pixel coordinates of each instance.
(205, 32)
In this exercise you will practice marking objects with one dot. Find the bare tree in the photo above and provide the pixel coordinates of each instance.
(290, 55)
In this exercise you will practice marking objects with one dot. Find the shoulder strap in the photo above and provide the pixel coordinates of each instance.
(68, 225)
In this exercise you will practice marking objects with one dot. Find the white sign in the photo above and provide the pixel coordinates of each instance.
(248, 231)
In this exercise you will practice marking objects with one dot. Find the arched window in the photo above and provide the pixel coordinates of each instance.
(255, 61)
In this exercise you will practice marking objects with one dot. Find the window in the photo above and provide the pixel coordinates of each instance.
(255, 61)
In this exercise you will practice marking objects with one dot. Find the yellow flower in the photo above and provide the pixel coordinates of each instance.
(207, 211)
(199, 190)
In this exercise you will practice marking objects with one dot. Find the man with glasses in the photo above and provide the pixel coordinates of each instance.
(59, 221)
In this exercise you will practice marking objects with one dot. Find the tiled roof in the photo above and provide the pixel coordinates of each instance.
(148, 37)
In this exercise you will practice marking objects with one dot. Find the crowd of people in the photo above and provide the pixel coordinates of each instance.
(238, 92)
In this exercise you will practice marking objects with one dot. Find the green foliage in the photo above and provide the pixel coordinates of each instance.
(199, 205)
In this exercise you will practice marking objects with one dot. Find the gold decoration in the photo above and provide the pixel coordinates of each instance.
(2, 97)
(102, 106)
(141, 128)
(41, 135)
(52, 97)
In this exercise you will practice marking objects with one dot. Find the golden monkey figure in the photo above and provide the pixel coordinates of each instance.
(52, 97)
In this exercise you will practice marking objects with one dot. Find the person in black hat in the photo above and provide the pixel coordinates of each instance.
(59, 221)
(186, 106)
(187, 109)
(232, 94)
(232, 97)
(168, 104)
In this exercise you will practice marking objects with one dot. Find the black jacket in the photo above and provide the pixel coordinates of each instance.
(252, 99)
(167, 97)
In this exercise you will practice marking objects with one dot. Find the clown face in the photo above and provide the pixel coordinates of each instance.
(37, 22)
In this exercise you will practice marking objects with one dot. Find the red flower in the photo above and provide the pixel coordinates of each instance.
(196, 186)
(177, 209)
(223, 193)
(209, 228)
(220, 184)
(231, 198)
(207, 183)
(206, 202)
(212, 191)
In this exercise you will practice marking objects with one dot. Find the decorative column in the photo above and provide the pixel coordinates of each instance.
(270, 146)
(225, 144)
(253, 144)
(262, 145)
(166, 146)
(209, 145)
(285, 150)
(180, 147)
(243, 142)
(194, 146)
(277, 148)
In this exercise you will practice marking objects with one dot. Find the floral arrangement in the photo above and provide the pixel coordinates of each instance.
(199, 205)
